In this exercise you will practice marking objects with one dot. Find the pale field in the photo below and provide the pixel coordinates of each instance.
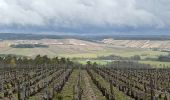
(88, 50)
(139, 43)
(72, 52)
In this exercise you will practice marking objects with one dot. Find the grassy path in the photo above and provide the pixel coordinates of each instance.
(67, 92)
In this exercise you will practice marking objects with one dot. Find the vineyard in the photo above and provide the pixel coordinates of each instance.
(44, 78)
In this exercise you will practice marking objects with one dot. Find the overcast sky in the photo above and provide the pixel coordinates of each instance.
(84, 16)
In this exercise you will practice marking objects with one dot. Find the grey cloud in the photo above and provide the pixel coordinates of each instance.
(82, 13)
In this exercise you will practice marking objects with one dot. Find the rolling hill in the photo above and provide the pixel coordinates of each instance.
(151, 44)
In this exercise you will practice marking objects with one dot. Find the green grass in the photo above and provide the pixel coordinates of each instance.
(157, 64)
(100, 62)
(86, 55)
(67, 92)
(144, 53)
(124, 52)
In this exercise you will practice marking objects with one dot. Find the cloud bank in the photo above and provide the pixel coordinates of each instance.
(84, 14)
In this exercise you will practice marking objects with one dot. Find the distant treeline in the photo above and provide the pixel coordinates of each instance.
(38, 60)
(114, 57)
(29, 46)
(121, 64)
(164, 58)
(89, 37)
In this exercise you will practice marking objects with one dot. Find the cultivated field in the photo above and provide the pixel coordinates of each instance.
(43, 78)
(84, 75)
(74, 48)
(160, 44)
